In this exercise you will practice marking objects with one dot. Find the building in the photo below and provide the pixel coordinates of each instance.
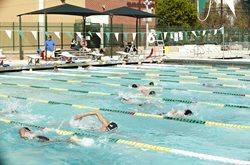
(102, 5)
(9, 9)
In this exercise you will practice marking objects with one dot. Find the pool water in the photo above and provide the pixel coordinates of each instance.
(51, 99)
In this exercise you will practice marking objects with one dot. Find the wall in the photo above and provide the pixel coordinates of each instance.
(9, 9)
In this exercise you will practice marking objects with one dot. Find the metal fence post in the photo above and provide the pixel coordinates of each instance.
(38, 35)
(61, 35)
(20, 39)
(13, 40)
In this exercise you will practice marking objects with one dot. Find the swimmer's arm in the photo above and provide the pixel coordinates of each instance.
(100, 117)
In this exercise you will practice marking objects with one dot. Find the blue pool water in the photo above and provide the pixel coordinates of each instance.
(29, 92)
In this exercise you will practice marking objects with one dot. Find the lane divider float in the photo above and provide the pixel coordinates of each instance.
(221, 105)
(136, 144)
(137, 114)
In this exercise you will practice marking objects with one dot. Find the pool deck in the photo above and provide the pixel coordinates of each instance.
(19, 65)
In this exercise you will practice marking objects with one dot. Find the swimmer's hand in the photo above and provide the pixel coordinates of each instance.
(78, 117)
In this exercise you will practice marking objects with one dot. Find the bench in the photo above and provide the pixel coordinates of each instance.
(33, 59)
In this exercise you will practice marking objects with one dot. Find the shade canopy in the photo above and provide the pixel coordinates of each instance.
(129, 12)
(65, 9)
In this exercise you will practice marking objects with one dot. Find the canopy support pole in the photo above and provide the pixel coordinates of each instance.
(20, 39)
(110, 38)
(45, 34)
(84, 27)
(137, 35)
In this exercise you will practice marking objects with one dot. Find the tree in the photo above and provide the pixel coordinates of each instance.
(242, 19)
(176, 13)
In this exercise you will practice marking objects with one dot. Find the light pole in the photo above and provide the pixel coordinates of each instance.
(147, 3)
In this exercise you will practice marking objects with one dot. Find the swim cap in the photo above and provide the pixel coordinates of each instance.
(134, 86)
(152, 93)
(112, 126)
(42, 138)
(151, 84)
(188, 112)
(27, 129)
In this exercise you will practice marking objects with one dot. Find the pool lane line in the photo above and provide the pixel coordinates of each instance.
(166, 67)
(198, 68)
(220, 105)
(138, 72)
(116, 85)
(125, 78)
(121, 85)
(159, 75)
(134, 144)
(137, 114)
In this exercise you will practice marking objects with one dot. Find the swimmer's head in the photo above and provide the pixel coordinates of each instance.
(151, 84)
(24, 132)
(152, 93)
(112, 126)
(188, 112)
(134, 86)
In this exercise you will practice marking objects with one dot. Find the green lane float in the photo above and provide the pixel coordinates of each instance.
(137, 114)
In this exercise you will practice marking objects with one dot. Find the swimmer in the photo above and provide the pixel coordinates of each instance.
(176, 113)
(210, 85)
(106, 125)
(86, 142)
(151, 84)
(27, 133)
(145, 91)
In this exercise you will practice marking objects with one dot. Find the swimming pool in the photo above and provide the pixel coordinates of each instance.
(218, 132)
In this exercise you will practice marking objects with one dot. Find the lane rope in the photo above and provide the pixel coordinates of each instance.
(115, 77)
(136, 144)
(138, 114)
(220, 105)
(159, 75)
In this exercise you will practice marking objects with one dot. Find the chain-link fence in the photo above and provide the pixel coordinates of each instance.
(62, 33)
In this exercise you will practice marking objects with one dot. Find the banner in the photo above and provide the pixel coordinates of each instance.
(230, 4)
(69, 34)
(204, 32)
(172, 35)
(21, 33)
(99, 35)
(142, 36)
(159, 35)
(57, 34)
(165, 35)
(117, 36)
(108, 36)
(180, 36)
(176, 37)
(47, 34)
(222, 30)
(34, 33)
(215, 31)
(9, 33)
(134, 35)
(79, 34)
(194, 33)
(125, 36)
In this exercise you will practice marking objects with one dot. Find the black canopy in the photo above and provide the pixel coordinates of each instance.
(65, 9)
(129, 12)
